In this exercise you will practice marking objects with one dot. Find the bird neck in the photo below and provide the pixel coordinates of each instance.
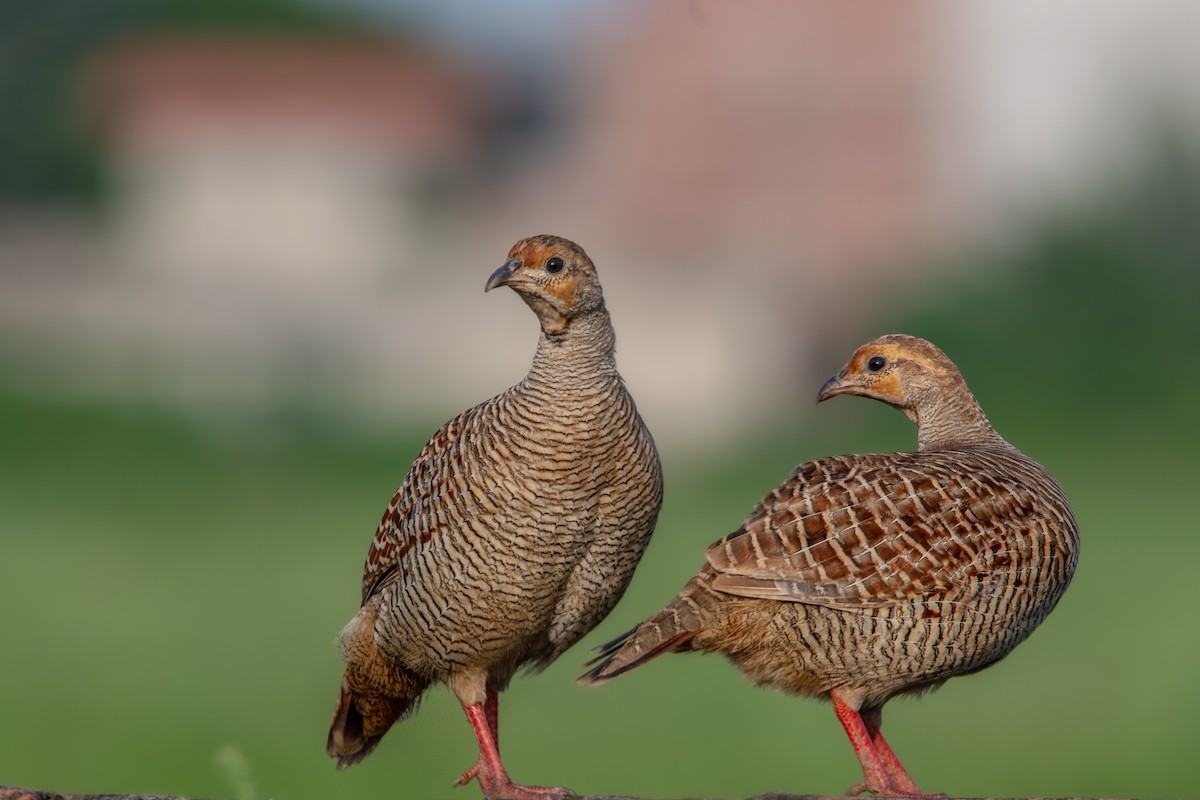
(954, 420)
(584, 351)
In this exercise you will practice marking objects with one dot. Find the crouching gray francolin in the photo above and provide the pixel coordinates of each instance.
(864, 577)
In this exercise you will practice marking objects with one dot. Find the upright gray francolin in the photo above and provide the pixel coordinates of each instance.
(863, 577)
(516, 530)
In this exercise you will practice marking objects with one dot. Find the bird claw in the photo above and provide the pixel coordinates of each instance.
(507, 790)
(467, 776)
(862, 788)
(515, 791)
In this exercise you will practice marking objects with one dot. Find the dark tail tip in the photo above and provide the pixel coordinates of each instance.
(604, 657)
(348, 740)
(630, 650)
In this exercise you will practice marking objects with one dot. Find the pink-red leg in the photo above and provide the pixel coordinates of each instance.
(881, 769)
(491, 711)
(873, 720)
(489, 770)
(876, 776)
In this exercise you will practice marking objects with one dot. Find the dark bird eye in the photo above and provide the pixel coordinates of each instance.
(876, 363)
(555, 265)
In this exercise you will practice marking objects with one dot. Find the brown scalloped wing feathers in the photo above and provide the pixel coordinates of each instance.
(873, 530)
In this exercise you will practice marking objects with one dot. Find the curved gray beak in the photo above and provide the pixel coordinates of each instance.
(833, 387)
(501, 276)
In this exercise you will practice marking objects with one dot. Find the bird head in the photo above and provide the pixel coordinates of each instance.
(900, 370)
(554, 277)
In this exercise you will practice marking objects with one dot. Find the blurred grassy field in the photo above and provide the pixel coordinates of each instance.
(170, 595)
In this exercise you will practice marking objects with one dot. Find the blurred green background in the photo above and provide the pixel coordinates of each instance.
(171, 588)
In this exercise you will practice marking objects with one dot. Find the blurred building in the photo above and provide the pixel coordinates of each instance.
(287, 161)
(310, 220)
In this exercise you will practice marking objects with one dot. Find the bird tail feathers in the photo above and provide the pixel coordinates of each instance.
(375, 693)
(360, 721)
(671, 629)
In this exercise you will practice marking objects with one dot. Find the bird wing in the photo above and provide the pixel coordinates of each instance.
(866, 531)
(412, 520)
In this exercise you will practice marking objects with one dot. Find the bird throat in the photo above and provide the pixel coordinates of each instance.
(554, 320)
(583, 345)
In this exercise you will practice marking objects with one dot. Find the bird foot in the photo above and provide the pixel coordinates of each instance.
(507, 790)
(512, 791)
(888, 791)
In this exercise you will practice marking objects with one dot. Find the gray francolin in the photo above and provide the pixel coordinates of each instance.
(516, 530)
(863, 577)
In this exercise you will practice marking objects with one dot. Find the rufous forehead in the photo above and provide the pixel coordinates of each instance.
(517, 249)
(865, 353)
(895, 352)
(534, 253)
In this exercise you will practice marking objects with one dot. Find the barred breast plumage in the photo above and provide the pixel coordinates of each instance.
(516, 530)
(863, 577)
